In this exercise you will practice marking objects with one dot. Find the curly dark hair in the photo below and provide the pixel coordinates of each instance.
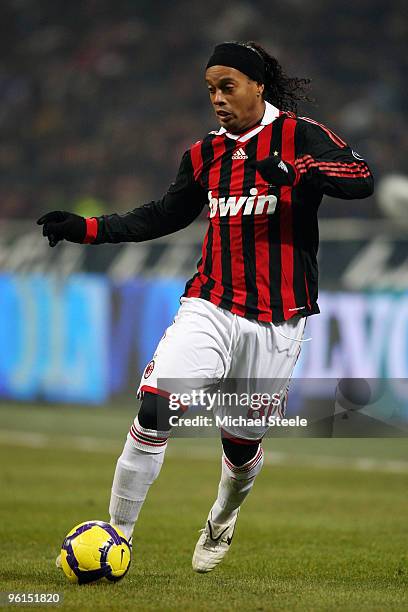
(280, 89)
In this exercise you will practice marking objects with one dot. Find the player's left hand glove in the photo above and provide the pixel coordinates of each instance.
(277, 172)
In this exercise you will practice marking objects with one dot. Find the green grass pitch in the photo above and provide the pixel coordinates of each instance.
(325, 527)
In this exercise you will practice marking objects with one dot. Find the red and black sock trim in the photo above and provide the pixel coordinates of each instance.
(247, 467)
(147, 437)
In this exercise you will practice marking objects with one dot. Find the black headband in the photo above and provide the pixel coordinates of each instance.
(242, 57)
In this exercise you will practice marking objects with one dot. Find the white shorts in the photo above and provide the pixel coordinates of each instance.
(207, 345)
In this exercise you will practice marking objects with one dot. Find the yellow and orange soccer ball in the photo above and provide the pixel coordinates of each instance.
(95, 550)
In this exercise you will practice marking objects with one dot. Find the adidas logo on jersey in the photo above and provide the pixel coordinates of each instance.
(253, 204)
(240, 154)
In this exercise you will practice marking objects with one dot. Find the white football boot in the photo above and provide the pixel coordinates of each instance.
(213, 544)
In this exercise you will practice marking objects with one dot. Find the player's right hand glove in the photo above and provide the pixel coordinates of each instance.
(59, 225)
(277, 171)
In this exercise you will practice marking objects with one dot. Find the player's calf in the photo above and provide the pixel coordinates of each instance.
(241, 462)
(139, 464)
(235, 484)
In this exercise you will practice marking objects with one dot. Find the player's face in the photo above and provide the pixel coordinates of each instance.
(236, 99)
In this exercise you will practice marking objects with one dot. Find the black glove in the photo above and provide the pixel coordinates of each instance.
(59, 225)
(276, 171)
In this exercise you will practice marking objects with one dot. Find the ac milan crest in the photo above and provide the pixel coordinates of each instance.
(149, 369)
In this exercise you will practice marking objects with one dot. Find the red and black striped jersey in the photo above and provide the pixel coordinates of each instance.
(259, 256)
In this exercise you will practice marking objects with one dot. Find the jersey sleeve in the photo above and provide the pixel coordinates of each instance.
(181, 204)
(326, 162)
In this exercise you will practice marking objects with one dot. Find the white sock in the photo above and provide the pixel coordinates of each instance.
(136, 470)
(235, 484)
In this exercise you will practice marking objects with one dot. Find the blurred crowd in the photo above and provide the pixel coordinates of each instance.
(99, 98)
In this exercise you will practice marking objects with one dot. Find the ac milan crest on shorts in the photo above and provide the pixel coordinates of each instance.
(148, 369)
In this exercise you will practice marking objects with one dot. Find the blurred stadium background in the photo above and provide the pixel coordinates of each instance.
(98, 101)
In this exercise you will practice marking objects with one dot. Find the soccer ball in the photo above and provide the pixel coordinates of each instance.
(93, 551)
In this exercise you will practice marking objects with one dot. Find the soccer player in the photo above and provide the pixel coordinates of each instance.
(263, 174)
